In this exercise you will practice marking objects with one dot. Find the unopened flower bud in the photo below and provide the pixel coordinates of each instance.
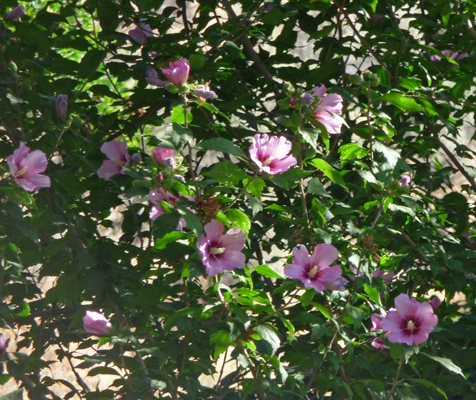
(169, 162)
(405, 181)
(293, 102)
(435, 303)
(3, 345)
(61, 106)
(96, 323)
(136, 158)
(159, 178)
(179, 177)
(307, 98)
(16, 13)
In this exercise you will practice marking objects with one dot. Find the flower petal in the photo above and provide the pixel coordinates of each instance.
(324, 255)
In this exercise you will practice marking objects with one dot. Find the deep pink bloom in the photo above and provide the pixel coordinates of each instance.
(26, 167)
(271, 155)
(435, 303)
(153, 78)
(293, 102)
(16, 13)
(411, 322)
(178, 72)
(315, 271)
(141, 33)
(160, 194)
(377, 325)
(161, 154)
(96, 323)
(118, 156)
(405, 180)
(3, 345)
(221, 252)
(329, 103)
(61, 106)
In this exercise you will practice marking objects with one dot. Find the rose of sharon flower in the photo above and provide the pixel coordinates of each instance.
(329, 103)
(411, 322)
(96, 323)
(16, 13)
(271, 155)
(160, 194)
(118, 156)
(61, 106)
(153, 78)
(315, 270)
(405, 180)
(221, 252)
(141, 33)
(455, 55)
(3, 345)
(178, 72)
(205, 93)
(376, 320)
(161, 154)
(25, 168)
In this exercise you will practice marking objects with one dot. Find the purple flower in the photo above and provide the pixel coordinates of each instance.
(205, 93)
(338, 284)
(331, 103)
(411, 322)
(3, 345)
(221, 252)
(435, 303)
(386, 276)
(307, 98)
(96, 323)
(141, 33)
(455, 55)
(377, 325)
(160, 194)
(178, 72)
(118, 156)
(61, 106)
(271, 154)
(405, 181)
(468, 235)
(161, 154)
(153, 78)
(26, 167)
(315, 271)
(16, 13)
(136, 158)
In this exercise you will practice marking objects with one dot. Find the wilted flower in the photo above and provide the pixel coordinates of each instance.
(205, 93)
(160, 194)
(331, 103)
(221, 252)
(271, 154)
(376, 320)
(405, 180)
(26, 168)
(16, 13)
(315, 270)
(153, 78)
(141, 33)
(3, 345)
(96, 323)
(411, 322)
(307, 98)
(118, 156)
(61, 105)
(178, 72)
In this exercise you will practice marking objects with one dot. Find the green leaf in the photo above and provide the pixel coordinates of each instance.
(196, 61)
(290, 327)
(15, 395)
(269, 335)
(179, 134)
(389, 154)
(170, 237)
(402, 102)
(90, 62)
(447, 363)
(239, 220)
(290, 178)
(397, 350)
(357, 315)
(351, 151)
(222, 340)
(178, 115)
(226, 172)
(328, 170)
(24, 311)
(404, 209)
(424, 382)
(191, 219)
(316, 187)
(223, 145)
(103, 371)
(267, 271)
(280, 371)
(310, 136)
(256, 186)
(373, 293)
(165, 224)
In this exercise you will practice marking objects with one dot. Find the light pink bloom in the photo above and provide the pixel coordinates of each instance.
(329, 103)
(26, 167)
(315, 271)
(141, 33)
(178, 72)
(153, 78)
(3, 345)
(61, 106)
(386, 276)
(118, 156)
(16, 13)
(96, 323)
(411, 322)
(161, 154)
(221, 252)
(271, 155)
(377, 325)
(405, 180)
(160, 194)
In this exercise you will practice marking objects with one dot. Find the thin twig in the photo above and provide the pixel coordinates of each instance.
(395, 381)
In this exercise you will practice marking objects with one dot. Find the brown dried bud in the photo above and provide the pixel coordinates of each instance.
(373, 248)
(367, 240)
(297, 237)
(207, 208)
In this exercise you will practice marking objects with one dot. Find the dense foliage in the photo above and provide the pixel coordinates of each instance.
(204, 133)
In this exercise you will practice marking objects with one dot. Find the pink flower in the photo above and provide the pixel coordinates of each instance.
(16, 13)
(153, 78)
(411, 322)
(271, 154)
(386, 276)
(3, 345)
(141, 33)
(61, 106)
(405, 181)
(160, 194)
(468, 235)
(25, 168)
(178, 72)
(455, 55)
(377, 325)
(435, 303)
(118, 156)
(161, 154)
(205, 93)
(221, 252)
(96, 323)
(329, 103)
(315, 271)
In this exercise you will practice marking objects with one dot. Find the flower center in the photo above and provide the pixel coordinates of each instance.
(217, 250)
(268, 161)
(22, 172)
(410, 325)
(120, 162)
(313, 271)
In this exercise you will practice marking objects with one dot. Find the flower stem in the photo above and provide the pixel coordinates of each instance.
(242, 192)
(395, 381)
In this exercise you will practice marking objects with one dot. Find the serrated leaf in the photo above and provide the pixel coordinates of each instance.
(223, 145)
(222, 340)
(15, 395)
(389, 154)
(191, 219)
(178, 134)
(267, 271)
(255, 187)
(424, 382)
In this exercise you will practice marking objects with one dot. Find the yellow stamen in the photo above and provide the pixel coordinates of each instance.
(217, 250)
(313, 271)
(120, 162)
(22, 172)
(410, 325)
(268, 161)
